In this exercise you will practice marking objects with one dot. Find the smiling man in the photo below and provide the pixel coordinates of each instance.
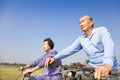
(99, 47)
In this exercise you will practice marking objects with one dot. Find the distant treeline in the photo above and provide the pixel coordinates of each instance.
(13, 64)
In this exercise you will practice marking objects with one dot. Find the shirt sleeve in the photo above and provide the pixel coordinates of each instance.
(38, 62)
(109, 51)
(75, 47)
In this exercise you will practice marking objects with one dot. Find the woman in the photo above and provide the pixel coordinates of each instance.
(53, 72)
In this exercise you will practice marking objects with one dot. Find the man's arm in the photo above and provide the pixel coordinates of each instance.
(75, 47)
(108, 58)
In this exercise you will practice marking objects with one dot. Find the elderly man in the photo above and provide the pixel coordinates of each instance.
(99, 47)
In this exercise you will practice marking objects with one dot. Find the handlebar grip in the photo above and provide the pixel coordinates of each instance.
(21, 68)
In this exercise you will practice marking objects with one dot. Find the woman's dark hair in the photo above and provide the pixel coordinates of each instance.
(50, 42)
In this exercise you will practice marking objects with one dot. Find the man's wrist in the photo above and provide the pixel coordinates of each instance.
(108, 67)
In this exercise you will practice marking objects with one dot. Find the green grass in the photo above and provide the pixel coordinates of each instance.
(11, 73)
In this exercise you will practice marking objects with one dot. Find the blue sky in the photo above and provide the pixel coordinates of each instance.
(24, 24)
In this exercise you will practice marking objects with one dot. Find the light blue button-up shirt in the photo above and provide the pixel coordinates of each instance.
(99, 48)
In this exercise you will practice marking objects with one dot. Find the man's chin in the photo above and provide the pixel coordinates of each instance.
(83, 30)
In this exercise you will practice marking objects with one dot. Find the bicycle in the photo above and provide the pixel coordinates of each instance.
(21, 76)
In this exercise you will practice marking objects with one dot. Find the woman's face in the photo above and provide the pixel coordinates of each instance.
(46, 46)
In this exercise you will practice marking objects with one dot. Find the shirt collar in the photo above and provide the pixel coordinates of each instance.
(93, 32)
(49, 51)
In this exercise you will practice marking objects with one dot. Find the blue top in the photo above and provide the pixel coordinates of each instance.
(53, 69)
(99, 48)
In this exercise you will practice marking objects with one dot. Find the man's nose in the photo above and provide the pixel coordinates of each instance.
(81, 24)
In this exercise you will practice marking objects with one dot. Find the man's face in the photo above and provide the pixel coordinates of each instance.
(46, 46)
(85, 23)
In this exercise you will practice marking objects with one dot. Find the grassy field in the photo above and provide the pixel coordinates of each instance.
(12, 73)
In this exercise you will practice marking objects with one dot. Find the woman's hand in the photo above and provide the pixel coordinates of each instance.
(27, 72)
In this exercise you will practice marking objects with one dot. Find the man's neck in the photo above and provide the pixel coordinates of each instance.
(88, 33)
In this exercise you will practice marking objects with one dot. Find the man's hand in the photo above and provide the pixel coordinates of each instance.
(49, 61)
(102, 71)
